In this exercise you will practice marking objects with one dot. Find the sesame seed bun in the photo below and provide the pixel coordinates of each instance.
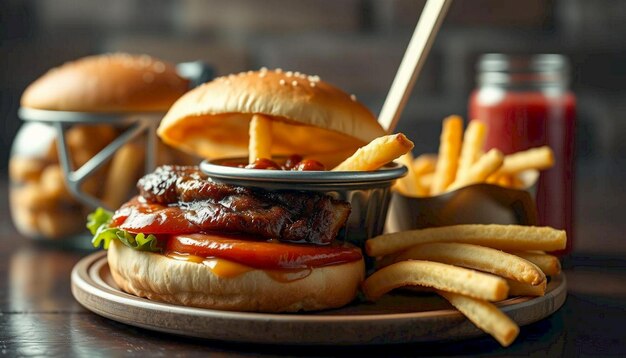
(161, 278)
(107, 83)
(309, 116)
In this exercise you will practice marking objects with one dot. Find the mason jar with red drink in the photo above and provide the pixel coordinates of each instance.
(526, 103)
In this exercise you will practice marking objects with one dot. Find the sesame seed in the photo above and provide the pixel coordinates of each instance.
(297, 74)
(314, 78)
(159, 67)
(250, 72)
(145, 60)
(294, 83)
(353, 97)
(278, 70)
(288, 73)
(262, 74)
(281, 82)
(312, 84)
(263, 69)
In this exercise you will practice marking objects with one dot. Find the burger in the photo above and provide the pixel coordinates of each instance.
(189, 240)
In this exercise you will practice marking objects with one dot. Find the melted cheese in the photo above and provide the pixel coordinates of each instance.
(226, 268)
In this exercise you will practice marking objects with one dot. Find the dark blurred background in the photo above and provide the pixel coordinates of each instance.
(355, 44)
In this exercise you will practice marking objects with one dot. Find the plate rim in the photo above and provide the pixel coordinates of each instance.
(83, 283)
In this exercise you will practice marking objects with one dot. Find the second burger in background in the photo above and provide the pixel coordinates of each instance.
(117, 84)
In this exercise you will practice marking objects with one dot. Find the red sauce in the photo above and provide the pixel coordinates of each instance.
(294, 162)
(526, 119)
(262, 254)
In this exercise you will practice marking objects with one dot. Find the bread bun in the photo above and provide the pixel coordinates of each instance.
(107, 83)
(310, 116)
(161, 278)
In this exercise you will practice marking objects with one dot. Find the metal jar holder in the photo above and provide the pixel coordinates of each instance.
(135, 124)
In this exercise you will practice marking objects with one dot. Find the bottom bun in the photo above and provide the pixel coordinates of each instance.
(161, 278)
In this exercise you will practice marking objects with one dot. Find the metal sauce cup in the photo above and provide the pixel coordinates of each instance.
(368, 192)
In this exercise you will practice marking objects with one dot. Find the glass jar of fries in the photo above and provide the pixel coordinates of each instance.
(104, 158)
(89, 133)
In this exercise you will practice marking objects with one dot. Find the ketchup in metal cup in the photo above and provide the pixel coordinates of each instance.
(526, 103)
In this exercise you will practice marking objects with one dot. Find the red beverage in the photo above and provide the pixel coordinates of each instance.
(525, 103)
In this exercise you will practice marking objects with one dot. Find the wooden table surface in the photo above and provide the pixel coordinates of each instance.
(39, 316)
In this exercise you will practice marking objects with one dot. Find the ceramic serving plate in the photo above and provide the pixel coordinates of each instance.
(400, 317)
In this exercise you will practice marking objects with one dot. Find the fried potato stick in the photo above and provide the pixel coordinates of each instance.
(523, 289)
(477, 258)
(410, 184)
(377, 153)
(473, 141)
(260, 145)
(437, 275)
(502, 237)
(449, 149)
(126, 167)
(535, 158)
(425, 164)
(479, 171)
(550, 265)
(485, 316)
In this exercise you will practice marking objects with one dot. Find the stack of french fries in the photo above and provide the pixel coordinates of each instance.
(372, 156)
(461, 162)
(470, 266)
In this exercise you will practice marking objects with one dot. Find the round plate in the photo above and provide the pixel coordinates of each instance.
(396, 318)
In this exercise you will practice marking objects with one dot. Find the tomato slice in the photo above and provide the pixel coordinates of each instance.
(138, 216)
(262, 254)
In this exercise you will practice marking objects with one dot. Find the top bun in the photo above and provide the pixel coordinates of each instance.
(107, 83)
(309, 116)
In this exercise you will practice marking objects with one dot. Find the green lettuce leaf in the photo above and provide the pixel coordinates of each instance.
(98, 224)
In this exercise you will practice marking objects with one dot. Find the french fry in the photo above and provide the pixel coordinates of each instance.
(85, 141)
(53, 183)
(425, 164)
(31, 196)
(535, 158)
(24, 219)
(485, 316)
(504, 181)
(550, 265)
(56, 224)
(502, 237)
(126, 168)
(377, 153)
(477, 258)
(410, 184)
(523, 289)
(260, 145)
(25, 169)
(447, 160)
(479, 171)
(434, 274)
(473, 141)
(426, 180)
